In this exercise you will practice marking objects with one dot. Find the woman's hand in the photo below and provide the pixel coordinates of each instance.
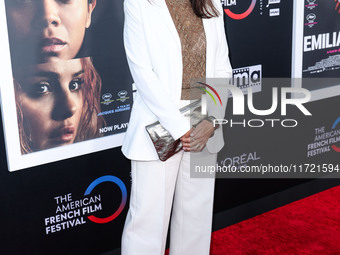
(197, 138)
(185, 139)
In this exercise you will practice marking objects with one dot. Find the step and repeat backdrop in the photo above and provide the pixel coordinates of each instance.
(66, 96)
(275, 47)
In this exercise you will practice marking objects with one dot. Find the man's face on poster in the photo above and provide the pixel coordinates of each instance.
(47, 30)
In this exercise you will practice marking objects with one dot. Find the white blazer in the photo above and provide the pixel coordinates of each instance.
(153, 50)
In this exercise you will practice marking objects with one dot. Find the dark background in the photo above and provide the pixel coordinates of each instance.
(265, 40)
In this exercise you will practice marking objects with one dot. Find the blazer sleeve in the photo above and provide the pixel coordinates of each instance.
(222, 67)
(148, 85)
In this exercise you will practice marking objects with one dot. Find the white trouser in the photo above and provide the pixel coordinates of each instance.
(155, 185)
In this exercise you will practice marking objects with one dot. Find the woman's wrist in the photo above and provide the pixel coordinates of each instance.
(213, 121)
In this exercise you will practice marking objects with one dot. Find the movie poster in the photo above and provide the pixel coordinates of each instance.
(317, 32)
(67, 88)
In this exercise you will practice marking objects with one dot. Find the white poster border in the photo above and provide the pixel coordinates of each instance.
(297, 55)
(15, 160)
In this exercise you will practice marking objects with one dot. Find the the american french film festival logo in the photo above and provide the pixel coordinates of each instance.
(288, 96)
(325, 140)
(335, 124)
(70, 213)
(337, 5)
(238, 16)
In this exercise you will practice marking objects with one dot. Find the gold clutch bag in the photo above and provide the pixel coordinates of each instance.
(164, 143)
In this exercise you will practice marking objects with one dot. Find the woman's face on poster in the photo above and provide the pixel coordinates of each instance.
(52, 102)
(48, 29)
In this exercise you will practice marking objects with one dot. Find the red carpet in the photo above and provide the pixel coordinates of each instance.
(306, 227)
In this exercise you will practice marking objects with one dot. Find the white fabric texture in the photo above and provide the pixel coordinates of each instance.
(155, 185)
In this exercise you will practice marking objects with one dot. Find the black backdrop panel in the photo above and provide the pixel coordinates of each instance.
(28, 198)
(261, 37)
(257, 39)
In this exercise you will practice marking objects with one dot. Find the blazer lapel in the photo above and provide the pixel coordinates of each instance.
(208, 29)
(165, 16)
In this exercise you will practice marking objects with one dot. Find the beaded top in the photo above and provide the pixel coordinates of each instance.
(191, 33)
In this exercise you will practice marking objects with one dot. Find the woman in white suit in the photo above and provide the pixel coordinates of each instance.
(169, 42)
